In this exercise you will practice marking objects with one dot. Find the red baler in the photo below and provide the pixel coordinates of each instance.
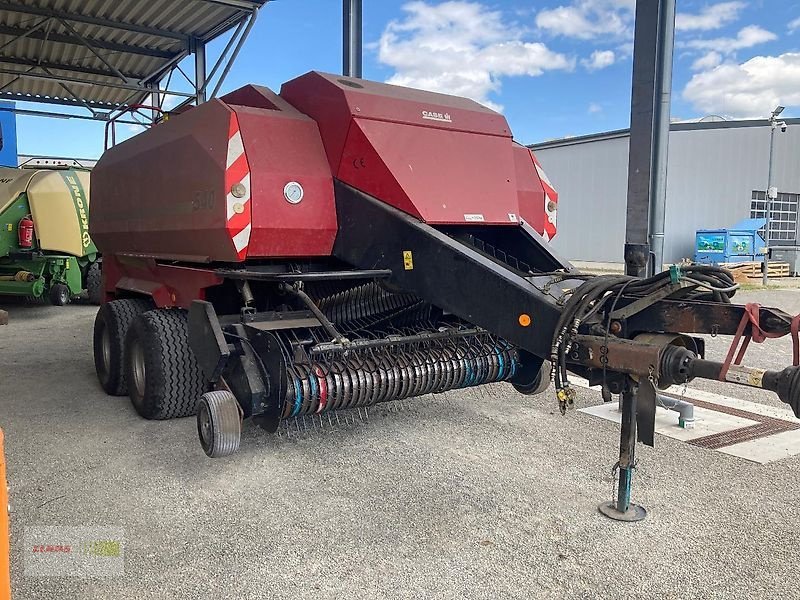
(349, 242)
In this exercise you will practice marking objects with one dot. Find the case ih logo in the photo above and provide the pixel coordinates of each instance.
(436, 116)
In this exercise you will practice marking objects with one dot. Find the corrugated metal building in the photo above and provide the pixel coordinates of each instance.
(717, 176)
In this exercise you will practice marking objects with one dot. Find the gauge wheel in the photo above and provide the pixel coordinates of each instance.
(219, 423)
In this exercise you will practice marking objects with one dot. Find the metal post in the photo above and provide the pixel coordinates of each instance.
(199, 51)
(242, 39)
(663, 101)
(765, 274)
(155, 101)
(649, 140)
(352, 38)
(621, 509)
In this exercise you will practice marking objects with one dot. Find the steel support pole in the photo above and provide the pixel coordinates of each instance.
(663, 89)
(155, 101)
(352, 34)
(242, 39)
(768, 215)
(199, 51)
(649, 139)
(621, 509)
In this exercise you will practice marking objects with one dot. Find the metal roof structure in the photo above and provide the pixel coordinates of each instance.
(104, 55)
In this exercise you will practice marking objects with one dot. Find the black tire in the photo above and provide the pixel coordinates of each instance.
(536, 384)
(164, 379)
(94, 283)
(59, 294)
(219, 423)
(110, 326)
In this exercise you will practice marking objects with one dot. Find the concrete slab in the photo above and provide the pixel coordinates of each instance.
(768, 449)
(710, 422)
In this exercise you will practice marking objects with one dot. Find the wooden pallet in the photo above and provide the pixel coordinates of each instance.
(752, 270)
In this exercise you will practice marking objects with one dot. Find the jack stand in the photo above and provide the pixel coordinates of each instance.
(622, 509)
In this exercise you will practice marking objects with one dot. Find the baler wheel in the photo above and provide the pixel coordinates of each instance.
(59, 294)
(535, 386)
(94, 283)
(219, 423)
(110, 326)
(164, 378)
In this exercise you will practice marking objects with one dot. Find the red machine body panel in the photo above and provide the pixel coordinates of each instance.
(538, 201)
(159, 193)
(279, 152)
(167, 285)
(433, 174)
(212, 184)
(440, 158)
(208, 185)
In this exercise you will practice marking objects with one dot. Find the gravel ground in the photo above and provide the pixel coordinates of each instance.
(477, 494)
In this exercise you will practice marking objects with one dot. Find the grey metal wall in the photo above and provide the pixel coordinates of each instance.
(712, 174)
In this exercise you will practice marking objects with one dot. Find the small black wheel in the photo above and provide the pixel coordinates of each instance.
(110, 326)
(164, 378)
(94, 283)
(59, 294)
(219, 423)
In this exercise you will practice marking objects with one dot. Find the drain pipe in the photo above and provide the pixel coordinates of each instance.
(684, 409)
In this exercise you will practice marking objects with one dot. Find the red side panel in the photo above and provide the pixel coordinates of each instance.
(439, 176)
(281, 150)
(208, 185)
(538, 200)
(167, 285)
(550, 200)
(161, 193)
(440, 158)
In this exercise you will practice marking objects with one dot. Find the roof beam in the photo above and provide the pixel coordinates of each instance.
(29, 62)
(243, 4)
(74, 80)
(91, 49)
(70, 39)
(20, 97)
(87, 20)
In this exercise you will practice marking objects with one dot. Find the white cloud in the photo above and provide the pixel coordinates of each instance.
(463, 48)
(599, 59)
(750, 89)
(594, 108)
(747, 37)
(708, 61)
(587, 19)
(794, 25)
(710, 17)
(171, 101)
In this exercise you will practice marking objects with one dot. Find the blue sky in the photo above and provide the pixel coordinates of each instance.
(555, 68)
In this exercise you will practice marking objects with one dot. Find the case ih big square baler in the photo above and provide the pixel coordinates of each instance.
(348, 242)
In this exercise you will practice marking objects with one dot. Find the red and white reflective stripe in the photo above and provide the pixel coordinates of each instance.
(549, 194)
(237, 171)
